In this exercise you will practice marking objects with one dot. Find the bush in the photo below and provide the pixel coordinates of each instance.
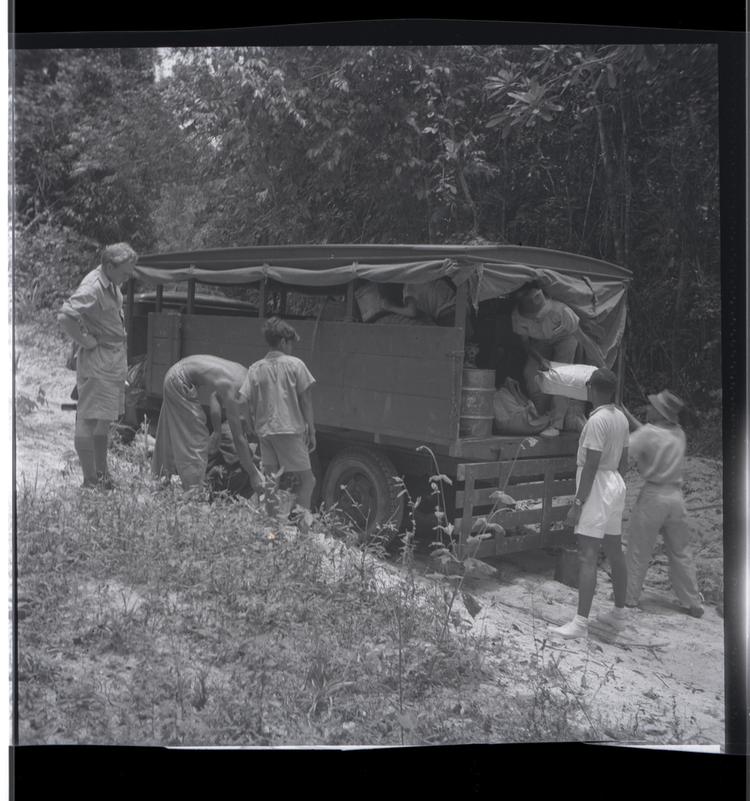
(48, 263)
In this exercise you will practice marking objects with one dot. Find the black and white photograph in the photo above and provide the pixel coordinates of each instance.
(368, 394)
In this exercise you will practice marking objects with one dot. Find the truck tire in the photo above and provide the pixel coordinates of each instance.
(369, 476)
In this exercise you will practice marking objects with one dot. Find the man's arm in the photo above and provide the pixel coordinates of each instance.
(588, 473)
(306, 406)
(72, 328)
(232, 409)
(633, 422)
(532, 351)
(214, 414)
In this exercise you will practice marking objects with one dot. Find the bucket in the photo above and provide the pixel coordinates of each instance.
(477, 410)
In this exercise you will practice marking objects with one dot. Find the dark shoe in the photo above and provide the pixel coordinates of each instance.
(695, 611)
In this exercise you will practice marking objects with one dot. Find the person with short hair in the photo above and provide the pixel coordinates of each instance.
(658, 448)
(550, 331)
(182, 436)
(277, 388)
(93, 318)
(596, 513)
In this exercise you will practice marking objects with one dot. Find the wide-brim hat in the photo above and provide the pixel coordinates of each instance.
(668, 405)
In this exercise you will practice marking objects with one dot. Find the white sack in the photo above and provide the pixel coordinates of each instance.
(568, 380)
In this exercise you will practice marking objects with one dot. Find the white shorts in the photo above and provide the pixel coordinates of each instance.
(602, 512)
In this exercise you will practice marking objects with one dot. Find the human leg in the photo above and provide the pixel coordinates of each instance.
(305, 488)
(646, 519)
(588, 551)
(616, 558)
(100, 439)
(538, 398)
(676, 535)
(83, 441)
(292, 454)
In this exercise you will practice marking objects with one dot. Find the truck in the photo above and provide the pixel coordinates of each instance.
(393, 401)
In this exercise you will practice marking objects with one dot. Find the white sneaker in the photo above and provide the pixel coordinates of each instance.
(551, 431)
(616, 622)
(572, 630)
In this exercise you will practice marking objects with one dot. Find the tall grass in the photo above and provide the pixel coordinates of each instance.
(149, 619)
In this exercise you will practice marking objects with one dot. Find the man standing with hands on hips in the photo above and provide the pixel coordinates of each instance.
(92, 317)
(596, 513)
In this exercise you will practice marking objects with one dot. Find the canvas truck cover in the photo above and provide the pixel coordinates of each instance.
(594, 289)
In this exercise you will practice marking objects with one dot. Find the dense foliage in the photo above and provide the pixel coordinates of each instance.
(609, 151)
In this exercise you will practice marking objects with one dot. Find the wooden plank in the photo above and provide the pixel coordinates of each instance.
(336, 337)
(424, 377)
(163, 341)
(512, 519)
(519, 492)
(499, 546)
(161, 351)
(497, 447)
(522, 467)
(547, 509)
(467, 521)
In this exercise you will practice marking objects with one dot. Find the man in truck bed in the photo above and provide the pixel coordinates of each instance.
(182, 436)
(549, 330)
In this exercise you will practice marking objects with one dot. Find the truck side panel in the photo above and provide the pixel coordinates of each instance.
(403, 381)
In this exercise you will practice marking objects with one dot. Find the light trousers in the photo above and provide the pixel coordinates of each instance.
(660, 508)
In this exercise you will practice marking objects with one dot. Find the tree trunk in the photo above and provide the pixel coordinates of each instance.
(610, 188)
(677, 323)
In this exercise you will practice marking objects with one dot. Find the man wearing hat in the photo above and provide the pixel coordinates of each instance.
(596, 513)
(659, 450)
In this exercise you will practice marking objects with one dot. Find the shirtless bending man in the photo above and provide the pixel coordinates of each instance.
(182, 436)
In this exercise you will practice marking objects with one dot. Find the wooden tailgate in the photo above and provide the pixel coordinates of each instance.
(536, 483)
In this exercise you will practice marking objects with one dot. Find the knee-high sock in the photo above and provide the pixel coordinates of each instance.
(85, 449)
(100, 453)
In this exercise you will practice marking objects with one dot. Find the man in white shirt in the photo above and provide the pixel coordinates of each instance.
(596, 513)
(659, 450)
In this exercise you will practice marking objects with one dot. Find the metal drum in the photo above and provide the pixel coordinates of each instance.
(477, 394)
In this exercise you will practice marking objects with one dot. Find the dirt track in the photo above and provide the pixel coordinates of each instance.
(662, 678)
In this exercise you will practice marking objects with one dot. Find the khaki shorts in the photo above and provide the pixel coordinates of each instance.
(285, 450)
(602, 512)
(100, 399)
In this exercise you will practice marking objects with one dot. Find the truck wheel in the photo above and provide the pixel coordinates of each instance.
(361, 484)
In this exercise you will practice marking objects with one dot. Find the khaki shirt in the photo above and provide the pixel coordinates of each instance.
(97, 307)
(659, 452)
(555, 321)
(272, 387)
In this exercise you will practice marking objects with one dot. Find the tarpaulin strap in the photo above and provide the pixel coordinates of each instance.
(593, 292)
